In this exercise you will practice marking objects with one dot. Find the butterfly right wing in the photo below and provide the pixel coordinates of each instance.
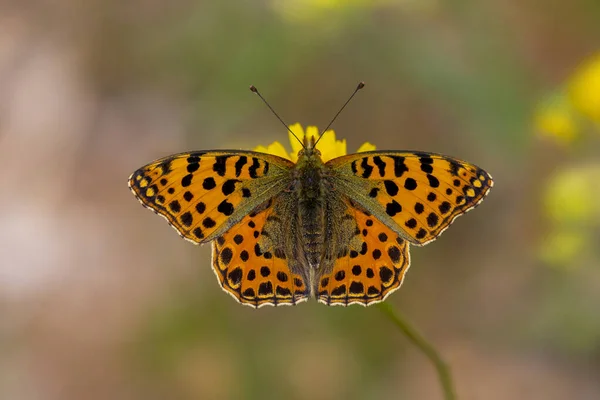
(203, 194)
(370, 265)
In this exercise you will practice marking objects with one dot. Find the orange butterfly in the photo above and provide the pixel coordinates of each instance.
(338, 231)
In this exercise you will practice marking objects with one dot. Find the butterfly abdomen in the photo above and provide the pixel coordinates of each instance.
(312, 226)
(311, 211)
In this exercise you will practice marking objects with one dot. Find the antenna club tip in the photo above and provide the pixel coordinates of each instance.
(253, 89)
(360, 86)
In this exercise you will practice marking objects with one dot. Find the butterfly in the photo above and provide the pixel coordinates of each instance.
(338, 231)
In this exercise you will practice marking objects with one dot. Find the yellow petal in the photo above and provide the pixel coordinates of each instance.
(327, 146)
(274, 148)
(340, 148)
(366, 146)
(312, 131)
(296, 145)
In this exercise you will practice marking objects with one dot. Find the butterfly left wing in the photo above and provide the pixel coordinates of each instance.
(250, 266)
(416, 194)
(203, 194)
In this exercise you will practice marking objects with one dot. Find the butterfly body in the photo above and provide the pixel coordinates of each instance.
(338, 231)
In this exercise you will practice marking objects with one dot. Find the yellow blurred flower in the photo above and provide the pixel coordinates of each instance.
(329, 146)
(571, 203)
(564, 115)
(583, 88)
(555, 118)
(572, 196)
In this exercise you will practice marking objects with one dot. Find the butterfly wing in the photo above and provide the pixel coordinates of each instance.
(203, 194)
(249, 266)
(416, 194)
(371, 269)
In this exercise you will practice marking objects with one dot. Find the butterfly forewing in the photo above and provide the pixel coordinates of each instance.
(416, 194)
(203, 194)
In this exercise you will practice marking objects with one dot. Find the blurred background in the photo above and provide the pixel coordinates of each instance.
(100, 299)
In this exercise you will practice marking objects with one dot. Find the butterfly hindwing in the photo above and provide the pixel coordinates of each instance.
(250, 269)
(373, 268)
(203, 194)
(418, 194)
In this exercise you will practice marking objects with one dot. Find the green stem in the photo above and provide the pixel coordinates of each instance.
(442, 369)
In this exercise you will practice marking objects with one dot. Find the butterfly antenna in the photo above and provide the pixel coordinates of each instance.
(358, 87)
(255, 90)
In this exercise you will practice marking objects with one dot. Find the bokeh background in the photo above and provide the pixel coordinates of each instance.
(101, 299)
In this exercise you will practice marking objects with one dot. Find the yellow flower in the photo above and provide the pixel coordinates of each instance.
(329, 146)
(571, 196)
(584, 88)
(555, 118)
(563, 116)
(571, 205)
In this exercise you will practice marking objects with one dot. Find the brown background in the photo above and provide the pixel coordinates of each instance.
(100, 299)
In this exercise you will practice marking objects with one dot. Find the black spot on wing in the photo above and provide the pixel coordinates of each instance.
(225, 208)
(392, 208)
(209, 183)
(208, 222)
(226, 255)
(356, 288)
(432, 220)
(175, 206)
(339, 291)
(426, 166)
(399, 166)
(229, 186)
(192, 167)
(390, 187)
(433, 181)
(385, 274)
(239, 164)
(187, 180)
(410, 184)
(187, 219)
(367, 169)
(265, 289)
(198, 233)
(235, 276)
(419, 208)
(253, 169)
(411, 223)
(380, 165)
(220, 165)
(394, 253)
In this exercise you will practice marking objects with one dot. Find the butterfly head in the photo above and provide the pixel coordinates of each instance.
(308, 148)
